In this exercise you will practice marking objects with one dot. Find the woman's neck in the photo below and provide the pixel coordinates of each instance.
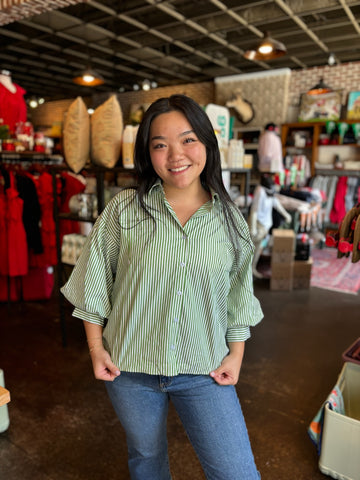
(6, 81)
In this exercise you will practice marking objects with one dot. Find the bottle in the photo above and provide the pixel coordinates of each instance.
(128, 147)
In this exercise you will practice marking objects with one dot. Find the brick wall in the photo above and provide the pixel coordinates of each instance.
(344, 77)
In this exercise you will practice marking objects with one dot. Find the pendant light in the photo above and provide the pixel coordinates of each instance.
(319, 88)
(89, 78)
(267, 49)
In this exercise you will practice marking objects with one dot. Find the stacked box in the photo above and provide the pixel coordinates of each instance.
(302, 273)
(282, 259)
(340, 445)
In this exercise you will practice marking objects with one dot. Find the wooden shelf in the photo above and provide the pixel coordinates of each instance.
(315, 129)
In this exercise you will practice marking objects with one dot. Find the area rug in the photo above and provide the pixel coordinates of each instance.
(332, 273)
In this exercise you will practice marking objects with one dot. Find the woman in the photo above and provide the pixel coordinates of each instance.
(169, 266)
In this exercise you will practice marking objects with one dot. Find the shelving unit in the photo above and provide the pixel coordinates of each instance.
(312, 151)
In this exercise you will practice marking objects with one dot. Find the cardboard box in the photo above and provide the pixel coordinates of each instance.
(280, 256)
(302, 273)
(340, 448)
(283, 240)
(281, 276)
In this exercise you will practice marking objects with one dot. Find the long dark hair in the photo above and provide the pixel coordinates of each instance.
(211, 176)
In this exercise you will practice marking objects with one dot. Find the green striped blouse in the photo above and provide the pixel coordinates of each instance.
(174, 296)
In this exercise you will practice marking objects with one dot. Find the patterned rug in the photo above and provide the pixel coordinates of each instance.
(332, 273)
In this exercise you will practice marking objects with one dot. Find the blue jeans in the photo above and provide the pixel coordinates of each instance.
(210, 413)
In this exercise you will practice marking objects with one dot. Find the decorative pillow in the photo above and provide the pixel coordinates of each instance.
(106, 133)
(76, 135)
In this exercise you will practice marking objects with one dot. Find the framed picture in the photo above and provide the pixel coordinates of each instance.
(319, 108)
(353, 106)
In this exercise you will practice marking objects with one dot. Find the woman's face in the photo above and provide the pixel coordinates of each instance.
(176, 153)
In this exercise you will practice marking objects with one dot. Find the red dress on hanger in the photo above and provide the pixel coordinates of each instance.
(16, 235)
(4, 262)
(48, 230)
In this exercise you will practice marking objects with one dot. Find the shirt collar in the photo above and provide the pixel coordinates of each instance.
(158, 187)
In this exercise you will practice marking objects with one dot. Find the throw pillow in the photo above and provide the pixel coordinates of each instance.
(106, 133)
(76, 135)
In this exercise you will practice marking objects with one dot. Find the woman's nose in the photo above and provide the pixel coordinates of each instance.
(175, 152)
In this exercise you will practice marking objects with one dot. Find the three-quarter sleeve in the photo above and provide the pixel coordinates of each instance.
(244, 310)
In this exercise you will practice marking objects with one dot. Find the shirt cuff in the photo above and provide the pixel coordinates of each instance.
(88, 317)
(237, 334)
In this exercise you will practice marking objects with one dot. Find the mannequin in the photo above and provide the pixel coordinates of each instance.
(12, 103)
(260, 219)
(270, 150)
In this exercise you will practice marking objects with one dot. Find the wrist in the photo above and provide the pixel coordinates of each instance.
(95, 347)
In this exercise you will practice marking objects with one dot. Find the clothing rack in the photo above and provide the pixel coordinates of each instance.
(18, 163)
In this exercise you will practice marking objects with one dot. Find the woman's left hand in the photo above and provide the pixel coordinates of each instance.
(229, 370)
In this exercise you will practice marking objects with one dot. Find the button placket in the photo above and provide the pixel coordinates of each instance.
(179, 292)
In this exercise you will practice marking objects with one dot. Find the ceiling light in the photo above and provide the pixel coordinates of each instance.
(146, 85)
(136, 87)
(267, 49)
(89, 78)
(331, 59)
(33, 103)
(319, 88)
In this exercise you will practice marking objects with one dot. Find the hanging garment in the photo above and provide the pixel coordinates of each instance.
(44, 188)
(338, 210)
(16, 235)
(31, 211)
(4, 261)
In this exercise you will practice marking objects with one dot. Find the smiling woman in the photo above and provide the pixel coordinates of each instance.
(178, 158)
(169, 266)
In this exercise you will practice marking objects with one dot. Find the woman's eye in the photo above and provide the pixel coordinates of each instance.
(189, 140)
(158, 146)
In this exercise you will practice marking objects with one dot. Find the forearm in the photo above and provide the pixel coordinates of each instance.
(237, 350)
(93, 335)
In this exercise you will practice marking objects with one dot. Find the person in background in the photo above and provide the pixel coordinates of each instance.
(270, 150)
(164, 287)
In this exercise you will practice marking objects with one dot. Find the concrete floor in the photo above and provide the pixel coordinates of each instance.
(62, 426)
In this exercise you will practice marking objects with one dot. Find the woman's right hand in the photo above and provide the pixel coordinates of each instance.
(103, 367)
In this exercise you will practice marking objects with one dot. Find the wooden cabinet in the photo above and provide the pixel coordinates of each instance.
(315, 144)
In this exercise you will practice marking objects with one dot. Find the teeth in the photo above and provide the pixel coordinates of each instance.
(180, 169)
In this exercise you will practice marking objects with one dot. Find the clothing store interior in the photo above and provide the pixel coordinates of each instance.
(287, 130)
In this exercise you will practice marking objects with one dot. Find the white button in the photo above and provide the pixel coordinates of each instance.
(176, 320)
(184, 237)
(172, 347)
(182, 264)
(179, 292)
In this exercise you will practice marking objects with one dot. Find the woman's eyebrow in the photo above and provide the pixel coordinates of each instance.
(162, 137)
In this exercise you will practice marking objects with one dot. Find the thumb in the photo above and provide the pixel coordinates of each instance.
(112, 368)
(217, 372)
